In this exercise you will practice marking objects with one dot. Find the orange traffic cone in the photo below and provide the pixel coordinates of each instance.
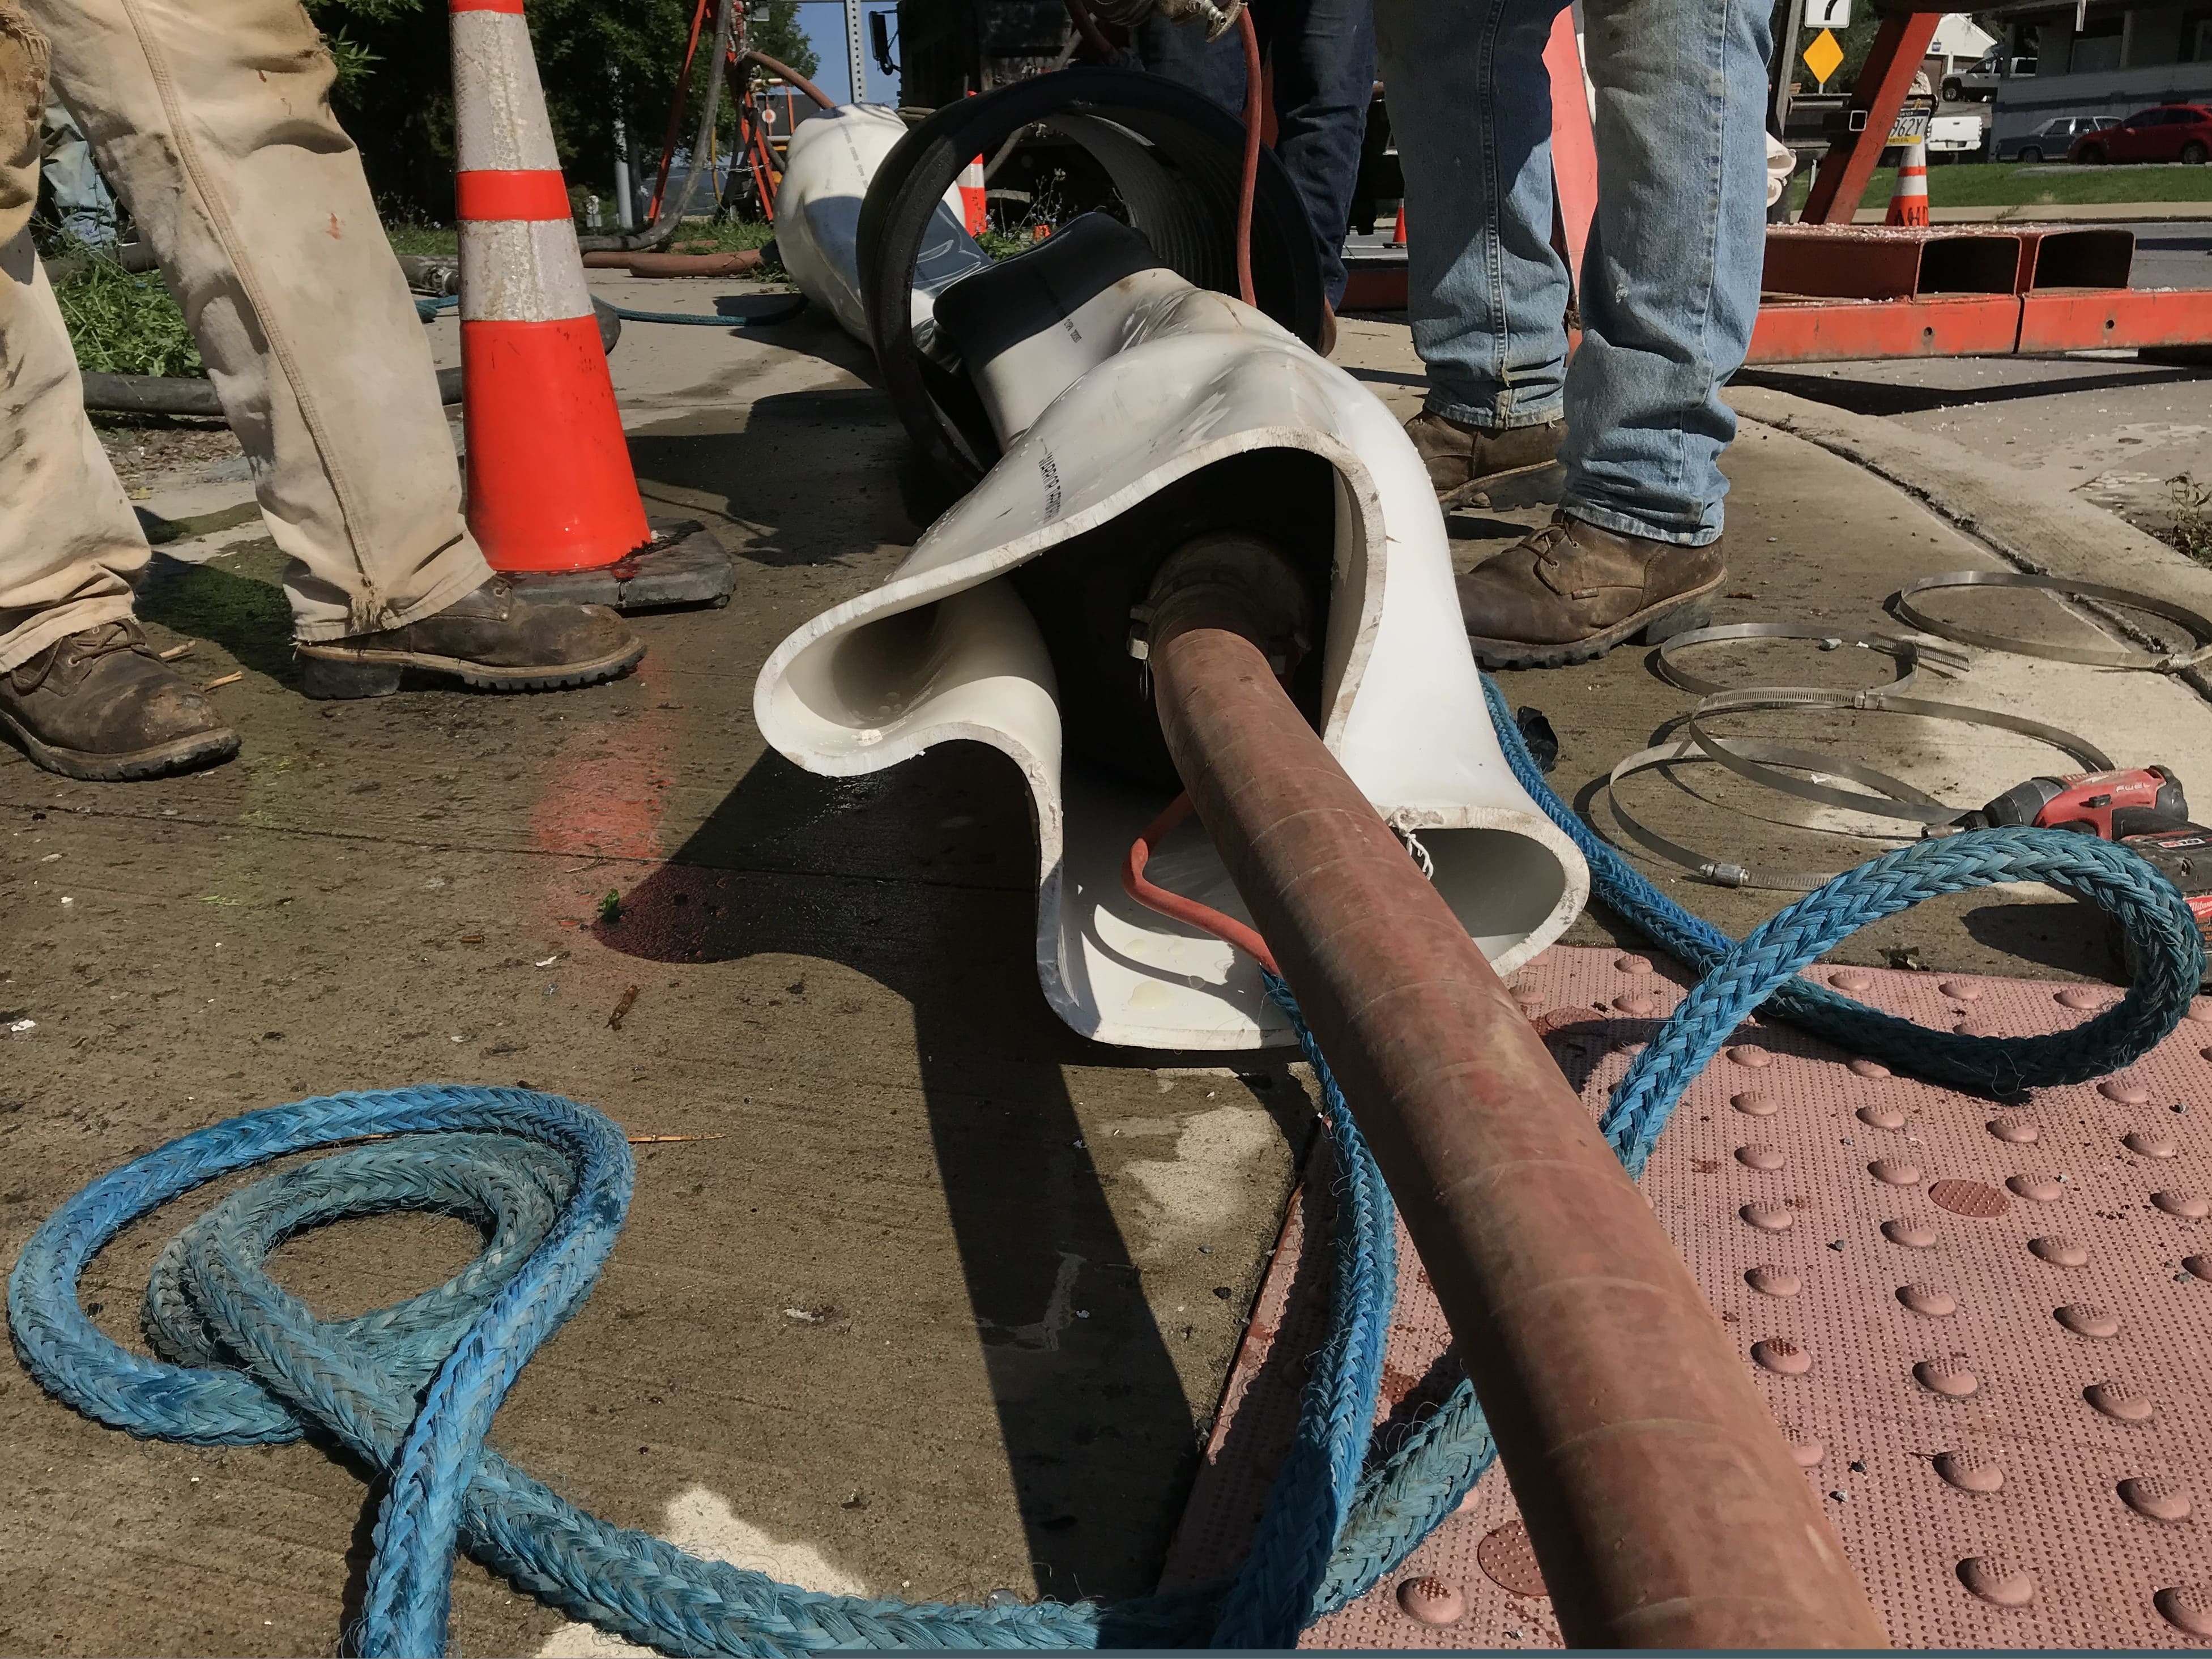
(975, 202)
(552, 496)
(974, 205)
(1398, 235)
(1908, 202)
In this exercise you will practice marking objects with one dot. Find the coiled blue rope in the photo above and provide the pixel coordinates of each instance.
(412, 1387)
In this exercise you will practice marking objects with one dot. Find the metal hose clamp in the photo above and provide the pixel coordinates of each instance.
(1722, 873)
(1912, 806)
(1757, 761)
(1909, 654)
(2157, 662)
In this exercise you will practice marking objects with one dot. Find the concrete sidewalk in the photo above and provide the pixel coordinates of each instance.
(1814, 538)
(940, 1298)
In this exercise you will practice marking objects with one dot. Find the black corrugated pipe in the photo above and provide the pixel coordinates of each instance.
(1175, 159)
(192, 395)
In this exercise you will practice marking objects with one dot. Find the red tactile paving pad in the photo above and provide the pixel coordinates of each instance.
(1987, 1327)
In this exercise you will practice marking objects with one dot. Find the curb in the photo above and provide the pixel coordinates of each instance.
(2029, 523)
(2047, 212)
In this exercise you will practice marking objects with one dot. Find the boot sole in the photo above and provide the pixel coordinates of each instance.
(1540, 485)
(160, 761)
(1653, 625)
(336, 672)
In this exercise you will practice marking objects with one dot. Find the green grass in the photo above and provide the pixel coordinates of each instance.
(733, 236)
(692, 237)
(2008, 184)
(122, 322)
(423, 238)
(125, 323)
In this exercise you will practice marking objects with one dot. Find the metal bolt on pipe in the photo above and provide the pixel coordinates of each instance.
(1663, 1501)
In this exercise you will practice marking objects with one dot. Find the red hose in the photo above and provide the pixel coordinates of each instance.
(1249, 186)
(1204, 917)
(1087, 27)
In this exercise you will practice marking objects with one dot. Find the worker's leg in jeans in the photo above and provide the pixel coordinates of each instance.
(1670, 291)
(1670, 280)
(1323, 56)
(212, 119)
(78, 690)
(1471, 108)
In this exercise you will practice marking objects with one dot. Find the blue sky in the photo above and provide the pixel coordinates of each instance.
(824, 22)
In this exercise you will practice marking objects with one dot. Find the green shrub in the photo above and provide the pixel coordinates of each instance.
(2191, 531)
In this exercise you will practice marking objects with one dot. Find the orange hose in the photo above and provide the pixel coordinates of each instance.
(1175, 906)
(1249, 186)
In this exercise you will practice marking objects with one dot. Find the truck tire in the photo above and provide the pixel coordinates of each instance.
(1954, 91)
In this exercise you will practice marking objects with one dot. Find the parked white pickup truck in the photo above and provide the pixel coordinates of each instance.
(1954, 135)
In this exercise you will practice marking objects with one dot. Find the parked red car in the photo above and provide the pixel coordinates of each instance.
(2172, 132)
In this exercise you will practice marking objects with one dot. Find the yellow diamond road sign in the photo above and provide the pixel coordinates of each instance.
(1823, 54)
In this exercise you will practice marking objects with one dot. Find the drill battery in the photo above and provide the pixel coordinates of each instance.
(2183, 853)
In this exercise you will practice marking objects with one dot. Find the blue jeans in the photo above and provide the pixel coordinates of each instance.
(1324, 64)
(1670, 280)
(81, 199)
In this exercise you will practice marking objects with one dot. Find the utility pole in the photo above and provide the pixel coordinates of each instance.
(1785, 66)
(855, 60)
(624, 221)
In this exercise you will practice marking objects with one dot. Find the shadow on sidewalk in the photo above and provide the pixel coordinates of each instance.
(1098, 1432)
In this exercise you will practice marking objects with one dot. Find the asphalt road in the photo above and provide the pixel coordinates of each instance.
(2175, 253)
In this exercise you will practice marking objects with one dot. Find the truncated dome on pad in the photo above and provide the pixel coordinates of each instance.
(2048, 1496)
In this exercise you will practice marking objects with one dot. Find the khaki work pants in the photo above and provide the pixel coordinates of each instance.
(211, 118)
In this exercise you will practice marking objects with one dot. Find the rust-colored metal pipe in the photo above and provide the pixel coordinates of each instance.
(737, 263)
(789, 77)
(1664, 1505)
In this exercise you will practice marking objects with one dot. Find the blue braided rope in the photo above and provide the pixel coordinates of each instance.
(1272, 1599)
(412, 1387)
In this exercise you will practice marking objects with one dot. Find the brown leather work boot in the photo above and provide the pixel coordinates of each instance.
(1477, 466)
(491, 638)
(1572, 592)
(100, 705)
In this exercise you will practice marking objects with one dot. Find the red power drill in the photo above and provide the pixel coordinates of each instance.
(2142, 809)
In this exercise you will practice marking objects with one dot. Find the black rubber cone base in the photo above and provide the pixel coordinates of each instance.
(682, 565)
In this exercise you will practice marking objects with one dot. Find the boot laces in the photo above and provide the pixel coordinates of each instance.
(1546, 542)
(79, 651)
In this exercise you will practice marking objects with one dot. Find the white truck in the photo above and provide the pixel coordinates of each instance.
(1954, 135)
